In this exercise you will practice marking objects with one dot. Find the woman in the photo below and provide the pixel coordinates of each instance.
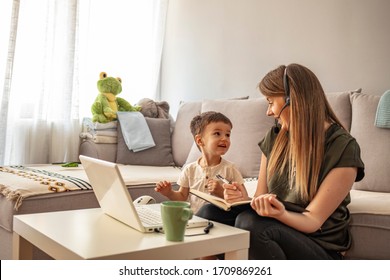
(309, 159)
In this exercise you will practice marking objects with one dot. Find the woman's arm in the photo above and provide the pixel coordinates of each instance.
(331, 193)
(262, 180)
(235, 192)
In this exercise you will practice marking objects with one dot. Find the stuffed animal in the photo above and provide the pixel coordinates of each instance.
(152, 109)
(107, 103)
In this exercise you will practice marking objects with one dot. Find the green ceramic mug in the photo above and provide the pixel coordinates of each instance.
(175, 215)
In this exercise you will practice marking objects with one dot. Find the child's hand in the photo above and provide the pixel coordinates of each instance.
(214, 188)
(163, 187)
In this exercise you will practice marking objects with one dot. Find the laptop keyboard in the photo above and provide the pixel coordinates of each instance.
(148, 215)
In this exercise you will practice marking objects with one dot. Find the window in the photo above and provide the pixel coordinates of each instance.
(61, 48)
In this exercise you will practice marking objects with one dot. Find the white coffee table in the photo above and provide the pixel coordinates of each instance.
(90, 234)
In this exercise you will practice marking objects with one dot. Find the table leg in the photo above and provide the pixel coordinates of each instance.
(21, 248)
(237, 255)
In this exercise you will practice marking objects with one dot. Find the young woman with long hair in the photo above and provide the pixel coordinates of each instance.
(308, 159)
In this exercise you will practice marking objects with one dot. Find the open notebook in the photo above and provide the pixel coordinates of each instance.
(115, 200)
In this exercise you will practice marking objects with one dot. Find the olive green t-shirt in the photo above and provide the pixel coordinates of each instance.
(341, 150)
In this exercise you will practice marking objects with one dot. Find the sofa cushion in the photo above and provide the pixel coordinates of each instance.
(375, 203)
(182, 139)
(341, 105)
(374, 143)
(160, 130)
(250, 124)
(370, 225)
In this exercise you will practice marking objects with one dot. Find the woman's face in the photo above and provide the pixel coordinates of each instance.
(278, 110)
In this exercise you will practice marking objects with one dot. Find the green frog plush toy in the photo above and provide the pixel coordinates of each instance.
(107, 103)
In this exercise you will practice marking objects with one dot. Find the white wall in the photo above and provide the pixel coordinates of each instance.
(222, 48)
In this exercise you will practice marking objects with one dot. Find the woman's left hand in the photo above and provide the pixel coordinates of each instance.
(267, 205)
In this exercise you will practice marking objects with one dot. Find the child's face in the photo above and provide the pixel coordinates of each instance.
(215, 138)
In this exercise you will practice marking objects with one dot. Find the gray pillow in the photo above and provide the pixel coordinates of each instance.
(182, 139)
(374, 143)
(341, 105)
(250, 124)
(160, 155)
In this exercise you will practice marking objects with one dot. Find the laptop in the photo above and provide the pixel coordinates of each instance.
(115, 200)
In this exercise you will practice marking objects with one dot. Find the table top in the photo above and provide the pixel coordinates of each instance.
(91, 234)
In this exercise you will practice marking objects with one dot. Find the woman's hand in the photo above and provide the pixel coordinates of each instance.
(234, 192)
(267, 205)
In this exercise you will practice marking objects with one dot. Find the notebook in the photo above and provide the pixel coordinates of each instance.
(115, 200)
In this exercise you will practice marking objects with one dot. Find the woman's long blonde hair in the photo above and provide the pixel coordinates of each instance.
(301, 148)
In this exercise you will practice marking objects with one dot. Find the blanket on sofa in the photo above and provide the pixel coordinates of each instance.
(19, 182)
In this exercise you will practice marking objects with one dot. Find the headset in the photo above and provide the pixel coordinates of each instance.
(286, 98)
(286, 87)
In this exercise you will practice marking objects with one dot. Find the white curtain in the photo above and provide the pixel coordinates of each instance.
(54, 54)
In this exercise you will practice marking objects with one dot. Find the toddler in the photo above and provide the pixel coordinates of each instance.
(211, 131)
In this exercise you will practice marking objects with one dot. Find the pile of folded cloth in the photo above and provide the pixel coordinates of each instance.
(99, 132)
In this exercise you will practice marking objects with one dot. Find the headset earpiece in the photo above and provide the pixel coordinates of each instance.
(287, 100)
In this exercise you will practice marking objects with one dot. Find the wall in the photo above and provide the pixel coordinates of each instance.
(222, 48)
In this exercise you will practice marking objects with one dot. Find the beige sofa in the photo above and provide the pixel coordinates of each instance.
(370, 208)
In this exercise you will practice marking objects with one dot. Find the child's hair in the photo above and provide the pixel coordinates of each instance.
(200, 121)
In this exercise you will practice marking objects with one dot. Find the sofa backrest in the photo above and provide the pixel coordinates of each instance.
(250, 124)
(355, 110)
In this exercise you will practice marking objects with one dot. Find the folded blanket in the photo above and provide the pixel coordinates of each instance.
(106, 132)
(382, 118)
(135, 131)
(88, 125)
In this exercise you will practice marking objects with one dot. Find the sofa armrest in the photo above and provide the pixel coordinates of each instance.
(101, 151)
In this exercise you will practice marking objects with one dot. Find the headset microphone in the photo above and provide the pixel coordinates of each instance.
(276, 127)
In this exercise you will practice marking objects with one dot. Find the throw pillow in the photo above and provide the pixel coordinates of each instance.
(373, 141)
(160, 155)
(341, 105)
(182, 138)
(250, 124)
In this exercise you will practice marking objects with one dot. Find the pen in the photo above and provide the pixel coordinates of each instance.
(222, 179)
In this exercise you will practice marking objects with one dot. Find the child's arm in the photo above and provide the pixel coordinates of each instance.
(165, 188)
